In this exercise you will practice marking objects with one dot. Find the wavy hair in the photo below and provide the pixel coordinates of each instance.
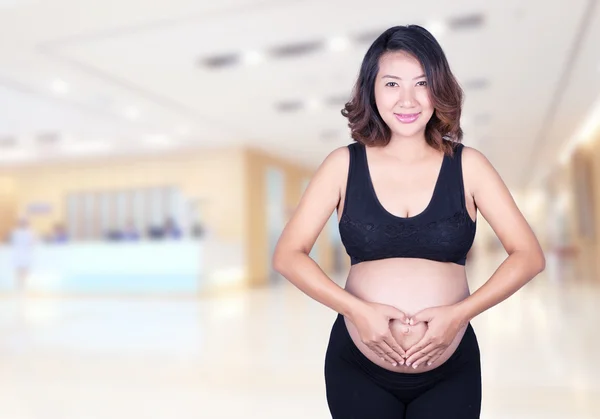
(364, 120)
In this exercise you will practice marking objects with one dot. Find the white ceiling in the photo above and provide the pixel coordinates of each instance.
(135, 83)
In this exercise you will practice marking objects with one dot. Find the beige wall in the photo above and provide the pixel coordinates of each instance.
(211, 175)
(588, 249)
(8, 207)
(595, 153)
(257, 163)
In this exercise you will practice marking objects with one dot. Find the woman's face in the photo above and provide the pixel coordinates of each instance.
(402, 94)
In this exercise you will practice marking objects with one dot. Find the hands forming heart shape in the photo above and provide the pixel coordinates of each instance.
(390, 333)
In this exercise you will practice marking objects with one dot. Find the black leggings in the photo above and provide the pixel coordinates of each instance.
(360, 389)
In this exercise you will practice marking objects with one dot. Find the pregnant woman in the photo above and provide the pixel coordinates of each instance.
(407, 194)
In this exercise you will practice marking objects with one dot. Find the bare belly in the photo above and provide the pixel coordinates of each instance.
(410, 285)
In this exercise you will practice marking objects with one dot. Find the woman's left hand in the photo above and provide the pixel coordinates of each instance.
(443, 324)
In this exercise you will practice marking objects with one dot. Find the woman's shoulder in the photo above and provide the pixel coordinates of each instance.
(477, 168)
(335, 166)
(337, 158)
(472, 157)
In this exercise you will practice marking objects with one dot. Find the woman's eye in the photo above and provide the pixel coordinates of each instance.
(422, 83)
(390, 83)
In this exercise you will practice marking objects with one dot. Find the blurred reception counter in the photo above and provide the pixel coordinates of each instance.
(187, 266)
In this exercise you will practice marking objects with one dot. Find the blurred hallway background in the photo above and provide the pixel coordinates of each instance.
(151, 153)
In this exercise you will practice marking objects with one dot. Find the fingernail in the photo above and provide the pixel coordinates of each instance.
(415, 366)
(394, 364)
(401, 362)
(408, 364)
(429, 363)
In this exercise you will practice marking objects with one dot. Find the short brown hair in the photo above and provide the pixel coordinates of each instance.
(367, 126)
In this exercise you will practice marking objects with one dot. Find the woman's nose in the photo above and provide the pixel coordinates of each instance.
(406, 99)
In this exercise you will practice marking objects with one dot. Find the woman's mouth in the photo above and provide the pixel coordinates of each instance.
(407, 118)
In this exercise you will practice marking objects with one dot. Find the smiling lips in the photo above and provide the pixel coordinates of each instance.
(407, 118)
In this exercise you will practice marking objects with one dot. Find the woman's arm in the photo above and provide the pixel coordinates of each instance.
(525, 260)
(525, 257)
(299, 235)
(291, 259)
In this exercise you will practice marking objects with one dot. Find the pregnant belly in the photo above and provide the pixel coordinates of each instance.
(407, 336)
(410, 285)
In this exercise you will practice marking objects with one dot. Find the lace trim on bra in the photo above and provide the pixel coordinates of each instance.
(409, 225)
(400, 237)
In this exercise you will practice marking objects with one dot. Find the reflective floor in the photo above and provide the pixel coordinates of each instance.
(260, 354)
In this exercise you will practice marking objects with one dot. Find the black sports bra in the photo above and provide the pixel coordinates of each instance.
(443, 232)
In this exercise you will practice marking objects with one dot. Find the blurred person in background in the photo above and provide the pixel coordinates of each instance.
(130, 232)
(59, 234)
(407, 193)
(171, 230)
(22, 243)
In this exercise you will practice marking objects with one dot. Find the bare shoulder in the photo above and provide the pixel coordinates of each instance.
(318, 202)
(473, 158)
(495, 202)
(477, 169)
(327, 183)
(337, 159)
(332, 171)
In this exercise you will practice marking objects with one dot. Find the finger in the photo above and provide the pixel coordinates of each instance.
(411, 360)
(380, 353)
(403, 318)
(423, 358)
(425, 340)
(395, 314)
(435, 356)
(390, 355)
(391, 352)
(421, 361)
(422, 316)
(395, 347)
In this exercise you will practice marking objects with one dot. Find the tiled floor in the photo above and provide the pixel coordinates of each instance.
(260, 354)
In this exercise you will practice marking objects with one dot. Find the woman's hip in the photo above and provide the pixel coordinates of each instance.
(342, 353)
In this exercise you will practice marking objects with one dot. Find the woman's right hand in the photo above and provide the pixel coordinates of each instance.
(373, 324)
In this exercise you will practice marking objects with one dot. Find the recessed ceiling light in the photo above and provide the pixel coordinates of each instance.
(49, 138)
(329, 134)
(339, 43)
(253, 57)
(476, 84)
(7, 141)
(337, 100)
(463, 22)
(296, 50)
(482, 118)
(60, 87)
(219, 61)
(289, 106)
(368, 36)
